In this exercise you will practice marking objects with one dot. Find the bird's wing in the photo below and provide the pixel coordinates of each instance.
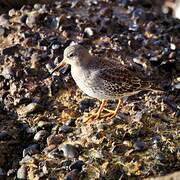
(122, 80)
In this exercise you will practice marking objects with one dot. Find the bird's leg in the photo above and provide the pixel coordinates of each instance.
(98, 113)
(112, 113)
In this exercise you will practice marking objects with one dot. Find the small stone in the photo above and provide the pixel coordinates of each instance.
(48, 149)
(22, 173)
(2, 31)
(71, 122)
(41, 135)
(72, 175)
(65, 129)
(31, 20)
(30, 108)
(139, 146)
(55, 153)
(133, 27)
(55, 139)
(69, 151)
(156, 139)
(88, 31)
(35, 59)
(10, 50)
(32, 149)
(45, 124)
(160, 157)
(102, 126)
(76, 165)
(121, 148)
(27, 159)
(173, 46)
(4, 136)
(7, 72)
(4, 20)
(2, 174)
(12, 12)
(86, 103)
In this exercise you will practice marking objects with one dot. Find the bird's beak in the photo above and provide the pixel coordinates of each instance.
(62, 64)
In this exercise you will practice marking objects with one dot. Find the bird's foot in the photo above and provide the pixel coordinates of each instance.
(93, 117)
(110, 115)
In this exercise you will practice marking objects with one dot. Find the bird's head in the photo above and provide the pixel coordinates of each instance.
(74, 55)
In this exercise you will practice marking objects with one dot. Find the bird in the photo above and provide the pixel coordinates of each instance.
(103, 78)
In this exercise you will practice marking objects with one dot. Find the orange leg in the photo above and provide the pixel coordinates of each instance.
(112, 113)
(97, 115)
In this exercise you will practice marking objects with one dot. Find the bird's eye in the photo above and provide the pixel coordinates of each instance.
(71, 55)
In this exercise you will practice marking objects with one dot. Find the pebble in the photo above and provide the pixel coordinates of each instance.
(4, 136)
(4, 20)
(30, 108)
(88, 31)
(31, 20)
(72, 175)
(76, 165)
(55, 139)
(48, 149)
(2, 31)
(41, 135)
(139, 146)
(27, 159)
(32, 149)
(86, 103)
(156, 139)
(45, 124)
(69, 151)
(71, 122)
(133, 27)
(159, 157)
(2, 174)
(10, 50)
(55, 153)
(22, 173)
(121, 148)
(65, 129)
(7, 72)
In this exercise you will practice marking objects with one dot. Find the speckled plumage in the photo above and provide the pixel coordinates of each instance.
(104, 78)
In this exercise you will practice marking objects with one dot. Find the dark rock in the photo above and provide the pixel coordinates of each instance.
(76, 165)
(65, 129)
(71, 122)
(10, 50)
(55, 139)
(72, 175)
(87, 103)
(139, 146)
(4, 136)
(57, 84)
(121, 148)
(32, 149)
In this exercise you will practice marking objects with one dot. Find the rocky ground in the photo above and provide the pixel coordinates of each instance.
(42, 130)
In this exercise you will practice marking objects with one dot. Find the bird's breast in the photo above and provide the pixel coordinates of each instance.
(86, 81)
